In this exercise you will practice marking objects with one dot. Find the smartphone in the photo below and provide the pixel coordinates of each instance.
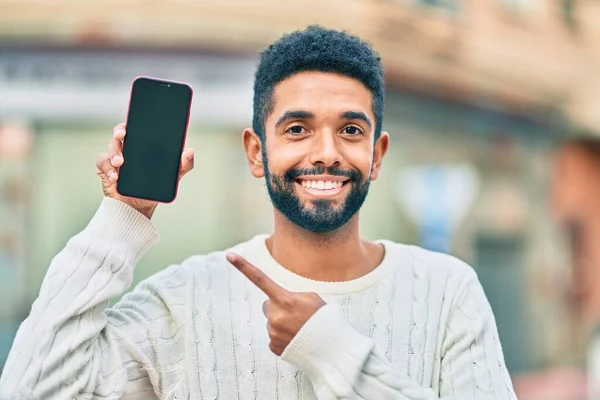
(157, 123)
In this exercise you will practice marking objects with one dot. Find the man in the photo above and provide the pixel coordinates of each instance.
(311, 311)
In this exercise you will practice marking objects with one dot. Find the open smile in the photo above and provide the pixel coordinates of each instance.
(322, 185)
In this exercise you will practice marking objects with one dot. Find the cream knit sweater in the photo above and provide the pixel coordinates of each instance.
(418, 327)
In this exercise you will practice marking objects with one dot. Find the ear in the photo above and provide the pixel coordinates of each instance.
(252, 147)
(381, 148)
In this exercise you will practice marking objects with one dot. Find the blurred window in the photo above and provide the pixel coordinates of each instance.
(520, 7)
(450, 6)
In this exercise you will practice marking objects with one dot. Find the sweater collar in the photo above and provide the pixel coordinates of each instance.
(262, 258)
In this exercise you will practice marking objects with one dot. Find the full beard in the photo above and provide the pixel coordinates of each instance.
(322, 216)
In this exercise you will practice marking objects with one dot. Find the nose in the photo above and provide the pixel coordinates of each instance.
(326, 150)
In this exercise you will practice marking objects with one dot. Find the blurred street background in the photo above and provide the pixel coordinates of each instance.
(493, 107)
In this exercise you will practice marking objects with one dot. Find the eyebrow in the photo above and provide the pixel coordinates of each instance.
(296, 114)
(301, 114)
(349, 115)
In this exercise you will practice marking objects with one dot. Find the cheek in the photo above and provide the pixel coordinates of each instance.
(283, 157)
(360, 159)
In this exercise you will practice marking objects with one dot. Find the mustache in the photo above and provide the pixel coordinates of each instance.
(292, 174)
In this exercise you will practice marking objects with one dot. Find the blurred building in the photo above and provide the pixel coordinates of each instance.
(575, 194)
(479, 94)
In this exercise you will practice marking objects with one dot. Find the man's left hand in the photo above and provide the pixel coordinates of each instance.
(286, 311)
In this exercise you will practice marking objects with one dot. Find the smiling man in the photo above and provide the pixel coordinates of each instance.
(311, 311)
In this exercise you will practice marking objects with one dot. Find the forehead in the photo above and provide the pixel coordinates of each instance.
(321, 93)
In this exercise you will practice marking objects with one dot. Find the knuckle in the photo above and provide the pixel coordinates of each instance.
(273, 347)
(277, 321)
(272, 332)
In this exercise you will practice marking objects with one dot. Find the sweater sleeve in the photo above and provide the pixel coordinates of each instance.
(342, 363)
(71, 345)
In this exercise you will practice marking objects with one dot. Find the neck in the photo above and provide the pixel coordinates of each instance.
(335, 256)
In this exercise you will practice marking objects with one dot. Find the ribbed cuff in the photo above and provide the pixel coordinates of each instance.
(123, 228)
(328, 346)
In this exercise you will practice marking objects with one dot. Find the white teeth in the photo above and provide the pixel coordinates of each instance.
(322, 185)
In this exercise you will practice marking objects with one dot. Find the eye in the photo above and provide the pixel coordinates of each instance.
(352, 130)
(296, 130)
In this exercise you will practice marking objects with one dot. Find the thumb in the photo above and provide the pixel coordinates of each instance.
(187, 161)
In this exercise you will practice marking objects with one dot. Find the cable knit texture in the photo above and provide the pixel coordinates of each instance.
(418, 327)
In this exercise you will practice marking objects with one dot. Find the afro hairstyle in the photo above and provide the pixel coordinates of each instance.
(316, 49)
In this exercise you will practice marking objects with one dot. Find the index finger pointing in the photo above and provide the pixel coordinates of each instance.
(256, 276)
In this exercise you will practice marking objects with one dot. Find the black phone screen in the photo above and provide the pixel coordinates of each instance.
(156, 129)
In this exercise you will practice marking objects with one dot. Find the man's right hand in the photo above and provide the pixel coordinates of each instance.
(107, 168)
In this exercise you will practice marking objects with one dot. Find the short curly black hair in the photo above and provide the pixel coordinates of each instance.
(316, 49)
